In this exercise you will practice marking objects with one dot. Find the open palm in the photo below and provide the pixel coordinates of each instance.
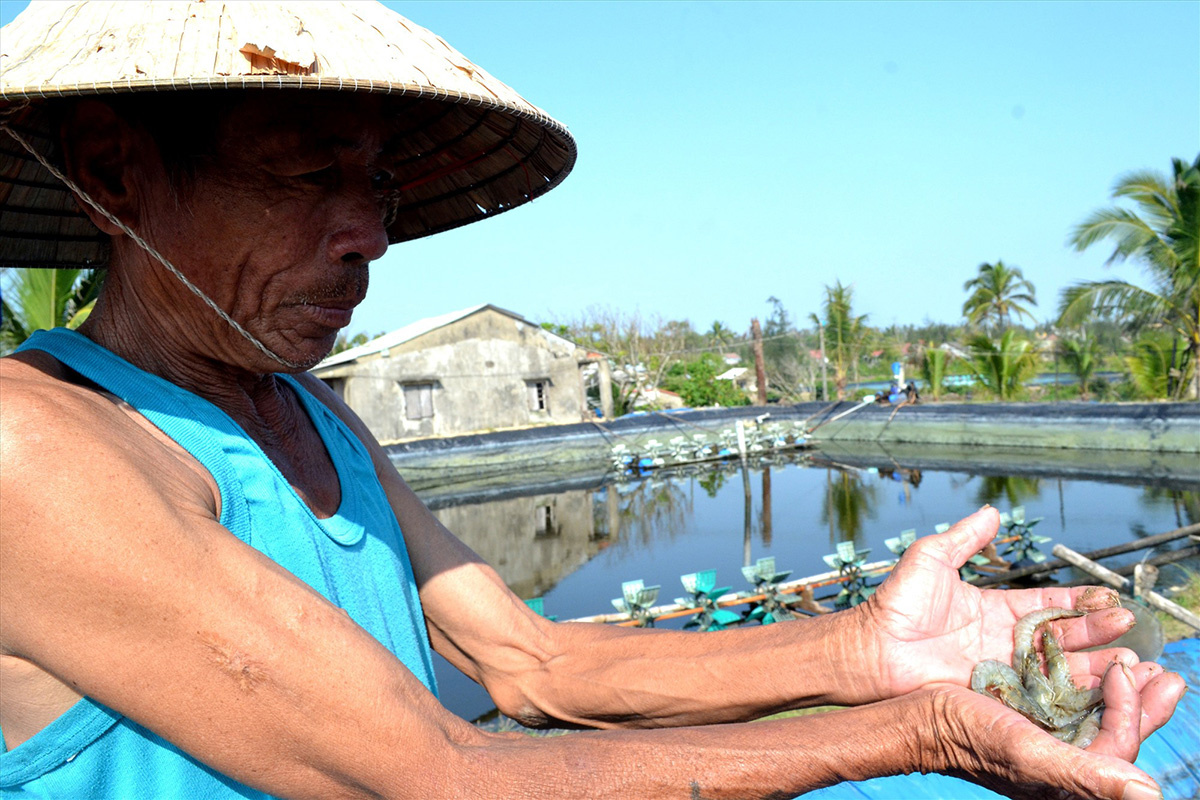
(932, 627)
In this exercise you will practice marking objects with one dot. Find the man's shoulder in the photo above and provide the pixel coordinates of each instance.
(52, 420)
(39, 391)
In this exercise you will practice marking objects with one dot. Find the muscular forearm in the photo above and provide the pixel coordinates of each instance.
(608, 676)
(772, 759)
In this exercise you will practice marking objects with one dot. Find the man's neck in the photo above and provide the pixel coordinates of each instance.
(166, 348)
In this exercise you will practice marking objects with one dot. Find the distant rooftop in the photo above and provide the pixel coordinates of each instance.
(419, 328)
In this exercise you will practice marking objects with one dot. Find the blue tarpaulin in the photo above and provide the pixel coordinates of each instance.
(1171, 755)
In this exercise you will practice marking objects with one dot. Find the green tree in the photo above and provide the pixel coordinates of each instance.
(1003, 365)
(557, 328)
(997, 293)
(933, 370)
(845, 333)
(1162, 233)
(784, 360)
(695, 382)
(640, 351)
(1082, 357)
(1150, 365)
(40, 299)
(342, 343)
(720, 336)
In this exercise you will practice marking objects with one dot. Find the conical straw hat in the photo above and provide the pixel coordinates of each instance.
(478, 149)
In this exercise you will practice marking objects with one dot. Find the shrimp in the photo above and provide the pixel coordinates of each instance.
(1050, 700)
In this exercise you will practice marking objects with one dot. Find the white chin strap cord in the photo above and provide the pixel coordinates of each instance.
(157, 256)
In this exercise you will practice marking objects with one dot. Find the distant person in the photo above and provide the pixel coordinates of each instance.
(215, 585)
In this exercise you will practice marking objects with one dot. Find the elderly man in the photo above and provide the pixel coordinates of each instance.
(214, 582)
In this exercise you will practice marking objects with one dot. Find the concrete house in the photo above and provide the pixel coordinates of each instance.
(481, 368)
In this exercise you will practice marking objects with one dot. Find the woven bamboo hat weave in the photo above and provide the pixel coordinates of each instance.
(476, 148)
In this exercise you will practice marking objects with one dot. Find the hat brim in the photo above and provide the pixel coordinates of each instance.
(476, 148)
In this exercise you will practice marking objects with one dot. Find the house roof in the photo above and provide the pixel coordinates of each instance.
(419, 328)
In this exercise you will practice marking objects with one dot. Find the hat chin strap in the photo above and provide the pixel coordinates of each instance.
(157, 256)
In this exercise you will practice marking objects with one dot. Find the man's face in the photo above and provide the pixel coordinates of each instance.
(279, 225)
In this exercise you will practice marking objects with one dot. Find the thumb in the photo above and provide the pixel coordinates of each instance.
(964, 539)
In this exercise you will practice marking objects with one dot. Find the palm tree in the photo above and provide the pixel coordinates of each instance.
(1149, 365)
(933, 370)
(997, 293)
(1082, 356)
(40, 299)
(1003, 366)
(1163, 234)
(720, 336)
(844, 333)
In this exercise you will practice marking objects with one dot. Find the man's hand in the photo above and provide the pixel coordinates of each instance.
(930, 626)
(984, 741)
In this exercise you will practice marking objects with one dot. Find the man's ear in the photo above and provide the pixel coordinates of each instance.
(100, 150)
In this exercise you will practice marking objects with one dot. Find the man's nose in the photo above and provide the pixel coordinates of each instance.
(360, 235)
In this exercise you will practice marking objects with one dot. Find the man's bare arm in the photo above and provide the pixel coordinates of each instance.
(119, 581)
(593, 675)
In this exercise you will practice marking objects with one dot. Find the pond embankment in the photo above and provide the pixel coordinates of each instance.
(1152, 439)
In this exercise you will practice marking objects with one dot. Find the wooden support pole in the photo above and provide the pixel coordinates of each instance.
(1153, 599)
(1128, 547)
(760, 372)
(606, 398)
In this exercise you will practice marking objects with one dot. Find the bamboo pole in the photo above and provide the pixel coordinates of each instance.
(1128, 547)
(1106, 575)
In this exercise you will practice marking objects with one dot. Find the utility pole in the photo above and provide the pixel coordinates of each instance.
(760, 372)
(824, 374)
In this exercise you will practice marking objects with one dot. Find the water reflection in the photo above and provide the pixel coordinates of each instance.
(633, 513)
(1008, 490)
(848, 504)
(1185, 503)
(533, 541)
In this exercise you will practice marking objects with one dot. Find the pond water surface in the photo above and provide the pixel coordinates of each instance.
(574, 547)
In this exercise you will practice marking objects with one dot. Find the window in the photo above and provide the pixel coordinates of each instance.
(543, 522)
(418, 400)
(539, 395)
(338, 385)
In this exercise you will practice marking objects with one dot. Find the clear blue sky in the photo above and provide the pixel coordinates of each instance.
(733, 151)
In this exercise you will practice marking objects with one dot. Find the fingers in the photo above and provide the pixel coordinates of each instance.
(966, 538)
(1017, 756)
(1097, 628)
(1087, 668)
(1120, 725)
(1161, 692)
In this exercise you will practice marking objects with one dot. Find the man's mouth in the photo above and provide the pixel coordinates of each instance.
(330, 313)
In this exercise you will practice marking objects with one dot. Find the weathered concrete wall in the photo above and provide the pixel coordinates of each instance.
(567, 451)
(480, 368)
(1154, 427)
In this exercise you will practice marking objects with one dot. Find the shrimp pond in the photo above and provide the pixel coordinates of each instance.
(573, 543)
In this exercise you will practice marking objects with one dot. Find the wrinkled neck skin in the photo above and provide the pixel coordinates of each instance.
(146, 316)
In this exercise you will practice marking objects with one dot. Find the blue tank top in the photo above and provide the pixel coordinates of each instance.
(356, 559)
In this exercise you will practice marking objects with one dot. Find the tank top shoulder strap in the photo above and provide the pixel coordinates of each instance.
(189, 420)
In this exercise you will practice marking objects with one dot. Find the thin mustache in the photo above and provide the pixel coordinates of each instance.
(347, 287)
